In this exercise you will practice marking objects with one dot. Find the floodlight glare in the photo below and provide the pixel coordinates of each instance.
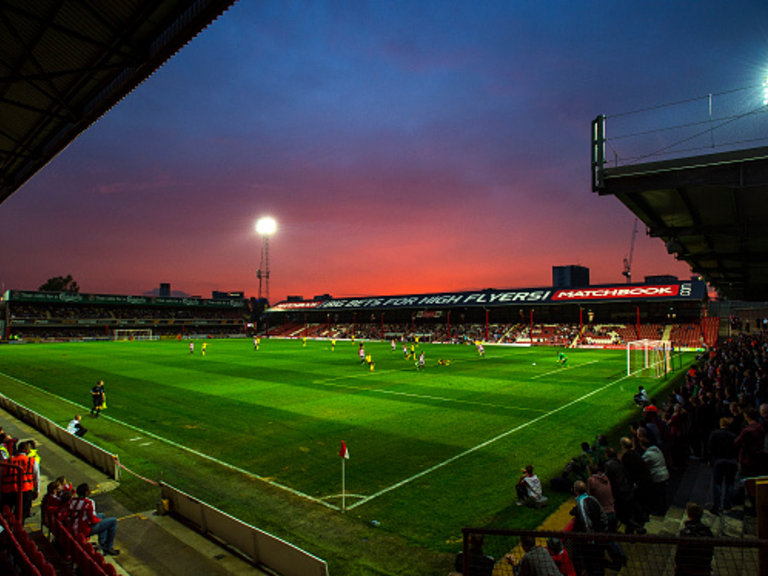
(765, 93)
(266, 226)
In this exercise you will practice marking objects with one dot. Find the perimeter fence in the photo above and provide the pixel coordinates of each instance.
(626, 555)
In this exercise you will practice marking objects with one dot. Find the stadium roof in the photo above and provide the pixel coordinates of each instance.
(63, 64)
(711, 211)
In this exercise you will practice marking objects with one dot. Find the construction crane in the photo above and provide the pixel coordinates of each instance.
(627, 272)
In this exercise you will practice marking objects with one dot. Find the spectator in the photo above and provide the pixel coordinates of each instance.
(76, 427)
(560, 556)
(583, 461)
(64, 486)
(50, 504)
(750, 444)
(599, 487)
(84, 520)
(722, 454)
(694, 558)
(537, 561)
(598, 450)
(678, 426)
(659, 475)
(589, 517)
(528, 488)
(623, 494)
(479, 563)
(637, 472)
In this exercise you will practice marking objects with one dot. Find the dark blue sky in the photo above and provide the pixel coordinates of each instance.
(402, 146)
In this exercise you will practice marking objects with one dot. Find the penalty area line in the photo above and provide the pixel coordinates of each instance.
(484, 444)
(563, 369)
(422, 396)
(184, 448)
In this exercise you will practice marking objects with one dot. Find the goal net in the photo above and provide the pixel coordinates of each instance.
(652, 358)
(133, 334)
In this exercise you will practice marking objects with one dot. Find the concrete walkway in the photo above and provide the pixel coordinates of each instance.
(150, 545)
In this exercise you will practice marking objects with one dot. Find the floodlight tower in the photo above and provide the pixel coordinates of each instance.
(265, 227)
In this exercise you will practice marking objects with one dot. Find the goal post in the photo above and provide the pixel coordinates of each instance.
(133, 334)
(652, 358)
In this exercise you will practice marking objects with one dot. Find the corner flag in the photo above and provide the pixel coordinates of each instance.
(344, 453)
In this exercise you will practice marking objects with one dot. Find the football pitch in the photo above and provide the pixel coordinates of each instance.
(430, 450)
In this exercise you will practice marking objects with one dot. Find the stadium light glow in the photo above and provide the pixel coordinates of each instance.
(266, 226)
(765, 92)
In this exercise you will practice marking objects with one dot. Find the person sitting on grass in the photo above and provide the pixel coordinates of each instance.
(528, 488)
(76, 427)
(641, 398)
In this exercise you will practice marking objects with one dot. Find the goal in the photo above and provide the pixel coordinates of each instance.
(652, 358)
(133, 334)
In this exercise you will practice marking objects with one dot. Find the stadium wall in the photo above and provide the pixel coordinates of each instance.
(97, 457)
(258, 546)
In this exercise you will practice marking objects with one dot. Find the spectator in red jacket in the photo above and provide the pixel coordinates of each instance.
(84, 520)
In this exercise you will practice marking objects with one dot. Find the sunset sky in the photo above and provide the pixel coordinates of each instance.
(403, 147)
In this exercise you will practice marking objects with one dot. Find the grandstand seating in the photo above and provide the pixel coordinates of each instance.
(20, 554)
(650, 331)
(80, 552)
(710, 330)
(687, 335)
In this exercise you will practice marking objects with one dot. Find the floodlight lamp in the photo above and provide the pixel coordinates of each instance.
(266, 226)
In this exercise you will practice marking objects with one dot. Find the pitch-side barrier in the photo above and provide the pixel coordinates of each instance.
(257, 546)
(260, 547)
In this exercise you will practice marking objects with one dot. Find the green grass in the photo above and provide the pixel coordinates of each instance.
(431, 451)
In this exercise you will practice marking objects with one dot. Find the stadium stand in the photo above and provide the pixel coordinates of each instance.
(144, 539)
(19, 553)
(42, 316)
(687, 335)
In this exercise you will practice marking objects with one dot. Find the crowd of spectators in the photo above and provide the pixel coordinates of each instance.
(719, 414)
(74, 509)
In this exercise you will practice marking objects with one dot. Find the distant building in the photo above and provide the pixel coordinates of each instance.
(230, 295)
(294, 299)
(660, 279)
(165, 290)
(570, 276)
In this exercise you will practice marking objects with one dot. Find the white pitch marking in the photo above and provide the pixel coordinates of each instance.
(563, 369)
(187, 449)
(484, 444)
(425, 396)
